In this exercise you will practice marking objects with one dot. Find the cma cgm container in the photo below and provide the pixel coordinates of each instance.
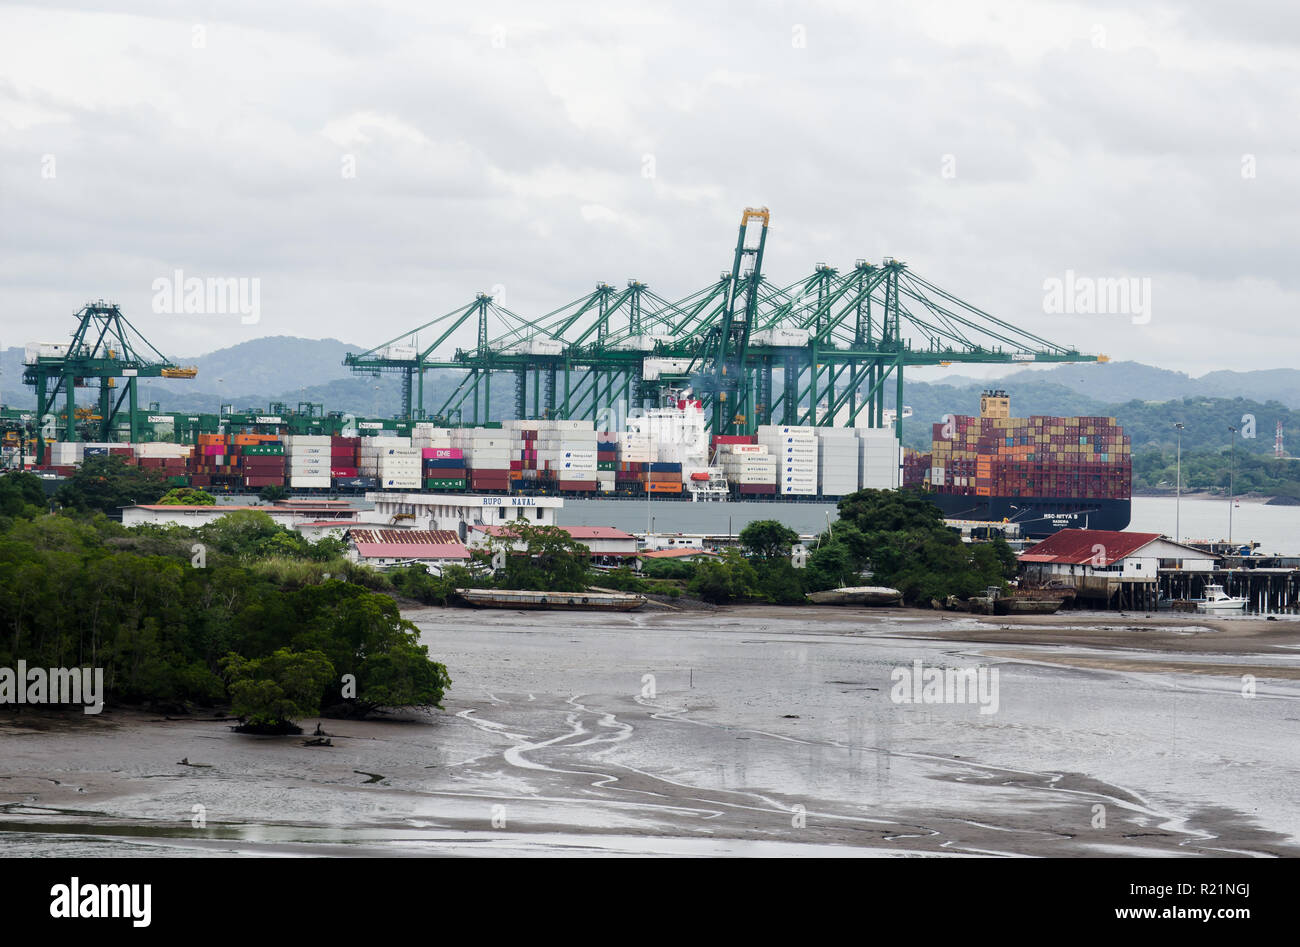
(1042, 473)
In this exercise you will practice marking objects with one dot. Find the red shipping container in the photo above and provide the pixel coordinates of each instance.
(343, 471)
(263, 481)
(441, 453)
(200, 480)
(578, 485)
(752, 489)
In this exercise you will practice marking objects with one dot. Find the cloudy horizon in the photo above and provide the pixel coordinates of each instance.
(372, 168)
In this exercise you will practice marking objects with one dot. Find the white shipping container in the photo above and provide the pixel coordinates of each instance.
(309, 481)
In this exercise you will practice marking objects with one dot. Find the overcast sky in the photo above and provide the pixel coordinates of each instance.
(542, 146)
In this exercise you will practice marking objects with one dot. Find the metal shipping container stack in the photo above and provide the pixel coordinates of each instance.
(795, 450)
(838, 461)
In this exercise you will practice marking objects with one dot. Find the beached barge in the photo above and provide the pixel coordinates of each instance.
(524, 598)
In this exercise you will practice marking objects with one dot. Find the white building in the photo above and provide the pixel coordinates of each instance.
(451, 510)
(289, 514)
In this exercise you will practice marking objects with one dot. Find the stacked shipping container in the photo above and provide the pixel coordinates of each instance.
(1039, 456)
(795, 450)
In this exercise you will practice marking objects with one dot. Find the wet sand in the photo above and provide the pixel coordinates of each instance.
(742, 731)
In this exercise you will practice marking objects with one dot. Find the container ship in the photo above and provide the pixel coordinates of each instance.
(1041, 473)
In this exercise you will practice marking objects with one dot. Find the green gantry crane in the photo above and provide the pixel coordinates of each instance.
(105, 348)
(820, 351)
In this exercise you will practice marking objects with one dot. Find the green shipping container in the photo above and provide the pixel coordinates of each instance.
(263, 450)
(178, 481)
(607, 465)
(440, 483)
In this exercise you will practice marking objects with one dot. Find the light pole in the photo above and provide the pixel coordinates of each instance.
(1178, 488)
(1232, 469)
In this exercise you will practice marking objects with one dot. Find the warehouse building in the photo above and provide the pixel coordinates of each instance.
(288, 513)
(1101, 564)
(389, 548)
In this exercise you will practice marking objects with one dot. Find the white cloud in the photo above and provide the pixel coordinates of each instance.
(508, 146)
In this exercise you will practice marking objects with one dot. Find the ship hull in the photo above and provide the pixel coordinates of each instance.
(1037, 516)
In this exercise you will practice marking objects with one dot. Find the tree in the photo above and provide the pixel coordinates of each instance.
(268, 694)
(724, 580)
(106, 484)
(550, 559)
(272, 492)
(21, 494)
(243, 533)
(900, 536)
(402, 676)
(768, 539)
(187, 496)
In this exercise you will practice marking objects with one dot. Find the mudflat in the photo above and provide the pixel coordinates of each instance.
(745, 730)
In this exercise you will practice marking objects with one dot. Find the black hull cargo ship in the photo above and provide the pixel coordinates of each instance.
(1042, 473)
(1037, 517)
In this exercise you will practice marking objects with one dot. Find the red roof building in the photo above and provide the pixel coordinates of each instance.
(1104, 564)
(389, 547)
(1097, 547)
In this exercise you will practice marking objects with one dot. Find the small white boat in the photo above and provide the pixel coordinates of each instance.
(1217, 600)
